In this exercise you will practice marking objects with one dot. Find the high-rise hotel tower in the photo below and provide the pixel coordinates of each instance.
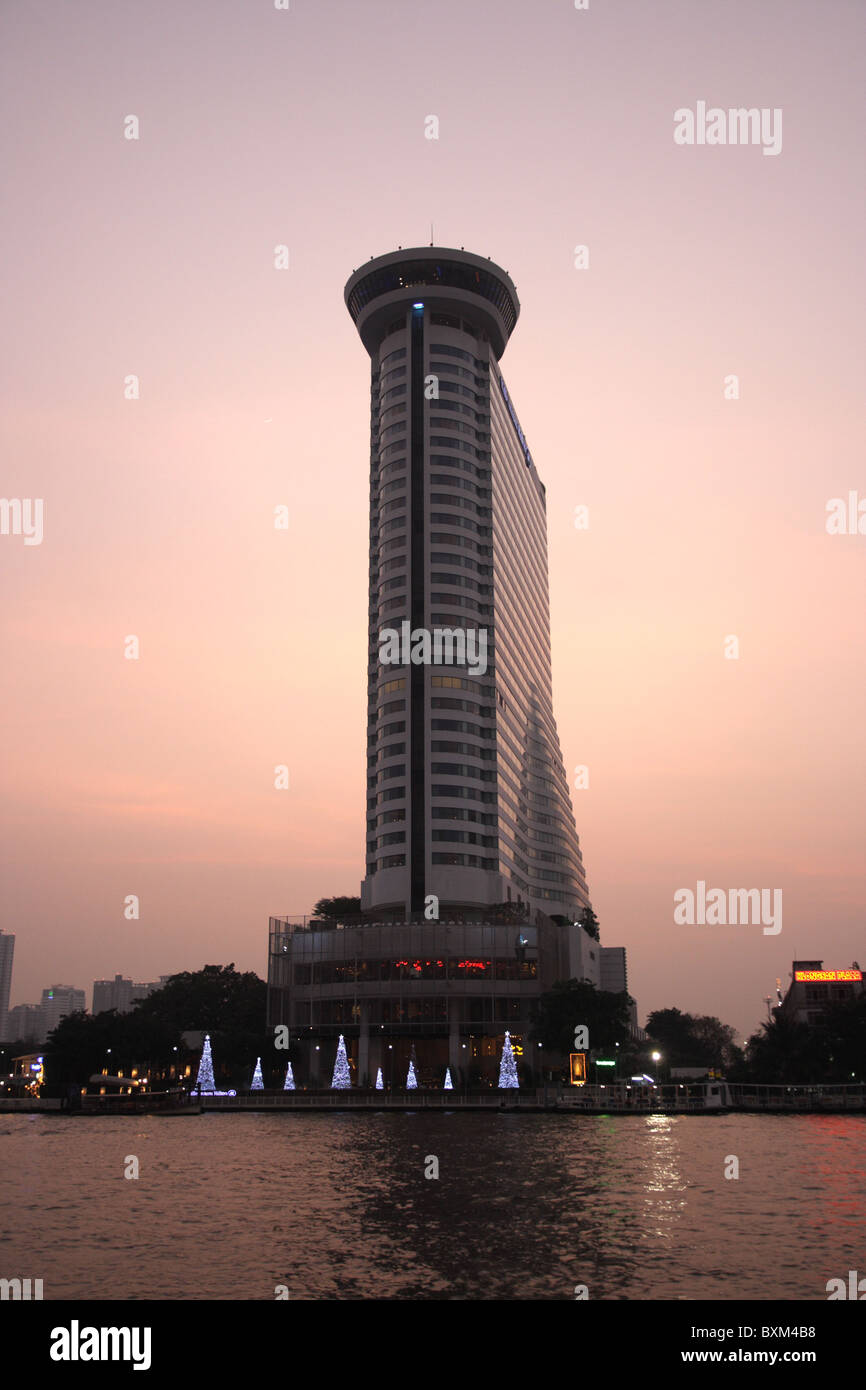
(467, 797)
(474, 877)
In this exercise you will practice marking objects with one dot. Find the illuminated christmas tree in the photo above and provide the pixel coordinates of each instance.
(449, 1084)
(508, 1067)
(289, 1083)
(342, 1078)
(204, 1080)
(411, 1079)
(258, 1083)
(380, 1085)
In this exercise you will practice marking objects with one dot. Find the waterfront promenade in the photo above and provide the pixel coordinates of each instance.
(696, 1098)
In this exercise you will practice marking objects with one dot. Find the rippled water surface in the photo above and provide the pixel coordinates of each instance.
(525, 1206)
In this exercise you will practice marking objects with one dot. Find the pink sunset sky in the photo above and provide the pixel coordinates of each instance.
(155, 257)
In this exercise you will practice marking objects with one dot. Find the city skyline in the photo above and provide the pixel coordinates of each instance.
(707, 515)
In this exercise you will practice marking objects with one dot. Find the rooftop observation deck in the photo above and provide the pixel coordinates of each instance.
(444, 278)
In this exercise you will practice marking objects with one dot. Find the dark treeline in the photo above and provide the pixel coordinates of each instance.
(230, 1006)
(780, 1052)
(218, 1000)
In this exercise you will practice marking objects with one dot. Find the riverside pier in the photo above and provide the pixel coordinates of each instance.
(694, 1098)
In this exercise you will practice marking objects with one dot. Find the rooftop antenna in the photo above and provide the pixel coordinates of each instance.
(431, 233)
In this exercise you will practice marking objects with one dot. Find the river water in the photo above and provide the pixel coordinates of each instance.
(337, 1206)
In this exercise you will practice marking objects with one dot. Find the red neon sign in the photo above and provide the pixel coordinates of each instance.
(811, 976)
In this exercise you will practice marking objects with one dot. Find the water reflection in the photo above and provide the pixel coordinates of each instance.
(524, 1207)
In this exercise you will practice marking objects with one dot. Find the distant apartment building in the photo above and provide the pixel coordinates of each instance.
(614, 971)
(614, 979)
(584, 956)
(813, 989)
(24, 1021)
(7, 950)
(122, 994)
(57, 1002)
(36, 1021)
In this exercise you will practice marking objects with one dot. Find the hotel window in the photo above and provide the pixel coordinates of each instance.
(391, 750)
(391, 393)
(816, 994)
(393, 356)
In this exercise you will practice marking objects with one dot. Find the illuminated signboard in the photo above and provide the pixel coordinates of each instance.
(515, 422)
(578, 1068)
(813, 976)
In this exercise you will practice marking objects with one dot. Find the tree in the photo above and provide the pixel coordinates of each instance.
(342, 1078)
(694, 1040)
(844, 1028)
(337, 907)
(714, 1041)
(79, 1046)
(221, 1001)
(785, 1052)
(570, 1003)
(588, 920)
(218, 1000)
(508, 1067)
(204, 1081)
(82, 1045)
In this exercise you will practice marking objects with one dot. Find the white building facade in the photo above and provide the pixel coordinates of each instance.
(467, 797)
